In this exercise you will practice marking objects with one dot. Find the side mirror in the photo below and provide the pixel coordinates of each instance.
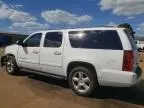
(20, 42)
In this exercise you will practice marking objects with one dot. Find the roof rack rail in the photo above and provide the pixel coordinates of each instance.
(79, 27)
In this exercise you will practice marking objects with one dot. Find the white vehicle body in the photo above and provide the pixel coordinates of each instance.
(55, 61)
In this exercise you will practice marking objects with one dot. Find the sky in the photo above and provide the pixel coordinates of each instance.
(27, 16)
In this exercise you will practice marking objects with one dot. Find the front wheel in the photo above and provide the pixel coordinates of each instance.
(83, 81)
(11, 66)
(139, 49)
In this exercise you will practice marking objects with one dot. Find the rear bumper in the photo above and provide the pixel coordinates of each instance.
(120, 78)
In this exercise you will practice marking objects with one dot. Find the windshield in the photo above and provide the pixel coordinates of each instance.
(129, 35)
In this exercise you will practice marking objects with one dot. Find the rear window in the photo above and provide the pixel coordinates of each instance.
(129, 35)
(95, 39)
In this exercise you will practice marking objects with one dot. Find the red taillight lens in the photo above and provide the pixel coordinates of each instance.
(128, 61)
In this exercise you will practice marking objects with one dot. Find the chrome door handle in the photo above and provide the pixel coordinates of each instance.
(57, 53)
(35, 52)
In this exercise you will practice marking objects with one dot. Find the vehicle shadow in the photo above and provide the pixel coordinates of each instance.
(53, 81)
(133, 95)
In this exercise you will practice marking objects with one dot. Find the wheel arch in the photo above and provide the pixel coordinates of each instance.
(5, 57)
(73, 64)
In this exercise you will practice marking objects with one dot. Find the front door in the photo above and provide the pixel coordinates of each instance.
(28, 56)
(51, 53)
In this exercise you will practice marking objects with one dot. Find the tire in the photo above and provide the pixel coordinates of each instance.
(139, 49)
(11, 65)
(80, 83)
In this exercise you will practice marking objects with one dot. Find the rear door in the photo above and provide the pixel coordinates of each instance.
(51, 53)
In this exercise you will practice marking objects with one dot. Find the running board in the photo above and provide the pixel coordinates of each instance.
(44, 73)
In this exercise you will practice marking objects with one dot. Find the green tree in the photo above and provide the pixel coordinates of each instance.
(129, 27)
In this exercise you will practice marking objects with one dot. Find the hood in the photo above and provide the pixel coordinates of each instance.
(10, 45)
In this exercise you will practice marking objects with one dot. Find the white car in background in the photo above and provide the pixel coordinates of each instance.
(86, 57)
(140, 45)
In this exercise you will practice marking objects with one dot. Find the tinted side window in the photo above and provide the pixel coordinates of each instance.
(34, 40)
(53, 39)
(98, 39)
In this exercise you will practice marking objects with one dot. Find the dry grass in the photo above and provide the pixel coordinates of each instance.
(141, 62)
(1, 51)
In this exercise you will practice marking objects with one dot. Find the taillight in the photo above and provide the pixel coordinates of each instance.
(128, 61)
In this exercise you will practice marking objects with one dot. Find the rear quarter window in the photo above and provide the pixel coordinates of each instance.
(95, 39)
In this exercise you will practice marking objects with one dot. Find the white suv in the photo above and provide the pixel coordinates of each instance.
(86, 57)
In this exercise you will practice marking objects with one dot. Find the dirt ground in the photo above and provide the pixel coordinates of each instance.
(29, 91)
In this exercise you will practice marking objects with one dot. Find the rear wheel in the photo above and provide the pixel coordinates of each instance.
(83, 81)
(11, 65)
